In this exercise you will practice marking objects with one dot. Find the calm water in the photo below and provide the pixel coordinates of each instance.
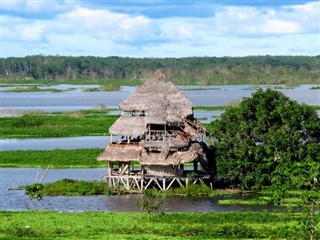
(54, 143)
(76, 99)
(17, 200)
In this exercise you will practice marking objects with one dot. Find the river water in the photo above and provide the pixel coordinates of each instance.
(12, 178)
(76, 98)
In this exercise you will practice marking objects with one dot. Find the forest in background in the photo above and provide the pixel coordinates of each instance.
(289, 70)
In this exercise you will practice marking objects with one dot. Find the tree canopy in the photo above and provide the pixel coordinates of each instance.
(267, 140)
(190, 70)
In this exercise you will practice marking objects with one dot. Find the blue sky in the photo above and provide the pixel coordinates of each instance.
(160, 28)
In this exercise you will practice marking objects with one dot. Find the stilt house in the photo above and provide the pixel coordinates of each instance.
(158, 130)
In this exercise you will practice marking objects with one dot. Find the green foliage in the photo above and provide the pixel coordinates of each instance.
(270, 141)
(33, 88)
(289, 70)
(267, 133)
(192, 190)
(70, 187)
(110, 87)
(35, 191)
(315, 88)
(57, 158)
(150, 203)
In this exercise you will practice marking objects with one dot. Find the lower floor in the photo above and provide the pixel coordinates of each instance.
(141, 183)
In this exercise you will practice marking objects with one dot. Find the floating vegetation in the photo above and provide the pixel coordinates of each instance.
(71, 187)
(32, 88)
(315, 88)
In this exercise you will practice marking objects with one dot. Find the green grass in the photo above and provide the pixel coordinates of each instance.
(103, 225)
(70, 187)
(71, 124)
(80, 158)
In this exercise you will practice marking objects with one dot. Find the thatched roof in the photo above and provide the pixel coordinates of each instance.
(158, 97)
(128, 125)
(173, 158)
(172, 143)
(131, 152)
(122, 153)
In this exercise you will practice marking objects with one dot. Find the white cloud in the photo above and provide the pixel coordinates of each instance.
(33, 33)
(242, 21)
(108, 25)
(281, 27)
(22, 30)
(231, 31)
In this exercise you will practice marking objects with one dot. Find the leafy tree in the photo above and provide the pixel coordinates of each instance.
(263, 138)
(272, 142)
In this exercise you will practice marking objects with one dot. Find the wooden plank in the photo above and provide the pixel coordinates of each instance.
(151, 179)
(172, 181)
(156, 181)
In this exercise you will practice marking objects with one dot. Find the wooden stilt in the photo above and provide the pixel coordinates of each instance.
(163, 184)
(146, 187)
(156, 181)
(178, 180)
(172, 181)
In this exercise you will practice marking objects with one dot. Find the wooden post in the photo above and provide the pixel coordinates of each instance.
(109, 174)
(124, 168)
(195, 166)
(164, 183)
(142, 183)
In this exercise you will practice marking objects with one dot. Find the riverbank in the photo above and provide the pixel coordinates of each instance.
(103, 225)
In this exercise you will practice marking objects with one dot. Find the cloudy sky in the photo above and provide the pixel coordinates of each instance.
(160, 28)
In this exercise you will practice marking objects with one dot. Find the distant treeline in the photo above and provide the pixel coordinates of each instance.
(288, 70)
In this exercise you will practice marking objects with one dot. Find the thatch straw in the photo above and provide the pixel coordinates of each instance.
(173, 158)
(122, 153)
(132, 152)
(128, 125)
(159, 97)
